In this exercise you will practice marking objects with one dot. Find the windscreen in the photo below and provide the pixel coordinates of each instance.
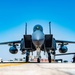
(37, 27)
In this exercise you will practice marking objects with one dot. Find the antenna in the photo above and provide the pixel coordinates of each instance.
(25, 28)
(50, 27)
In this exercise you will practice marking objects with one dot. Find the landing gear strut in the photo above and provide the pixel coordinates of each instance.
(38, 55)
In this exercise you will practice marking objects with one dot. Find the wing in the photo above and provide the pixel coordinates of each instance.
(63, 41)
(10, 42)
(64, 54)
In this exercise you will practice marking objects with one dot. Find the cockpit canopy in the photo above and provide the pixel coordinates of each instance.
(37, 27)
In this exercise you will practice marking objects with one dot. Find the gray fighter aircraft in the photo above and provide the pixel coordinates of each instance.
(37, 41)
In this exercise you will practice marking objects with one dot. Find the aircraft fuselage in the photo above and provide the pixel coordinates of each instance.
(38, 36)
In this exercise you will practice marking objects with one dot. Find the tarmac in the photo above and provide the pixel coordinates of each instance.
(37, 69)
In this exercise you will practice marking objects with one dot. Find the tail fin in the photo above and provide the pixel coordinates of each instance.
(25, 28)
(50, 27)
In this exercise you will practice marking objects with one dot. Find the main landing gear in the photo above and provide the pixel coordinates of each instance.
(49, 57)
(27, 56)
(38, 60)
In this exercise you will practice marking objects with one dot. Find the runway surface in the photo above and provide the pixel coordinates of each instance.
(37, 69)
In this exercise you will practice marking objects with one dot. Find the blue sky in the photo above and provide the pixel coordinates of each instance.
(14, 13)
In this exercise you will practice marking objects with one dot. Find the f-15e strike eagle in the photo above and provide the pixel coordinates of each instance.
(38, 41)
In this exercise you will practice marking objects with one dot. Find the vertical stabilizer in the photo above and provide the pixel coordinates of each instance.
(25, 28)
(50, 27)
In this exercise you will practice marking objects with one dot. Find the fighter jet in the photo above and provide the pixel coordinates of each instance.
(38, 41)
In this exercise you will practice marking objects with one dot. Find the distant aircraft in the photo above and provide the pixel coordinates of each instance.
(65, 54)
(73, 58)
(38, 41)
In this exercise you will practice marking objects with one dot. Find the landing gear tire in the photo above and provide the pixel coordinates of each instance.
(49, 59)
(27, 59)
(38, 60)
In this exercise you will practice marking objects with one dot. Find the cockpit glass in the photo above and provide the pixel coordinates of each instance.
(38, 27)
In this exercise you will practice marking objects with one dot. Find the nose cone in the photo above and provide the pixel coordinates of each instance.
(38, 38)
